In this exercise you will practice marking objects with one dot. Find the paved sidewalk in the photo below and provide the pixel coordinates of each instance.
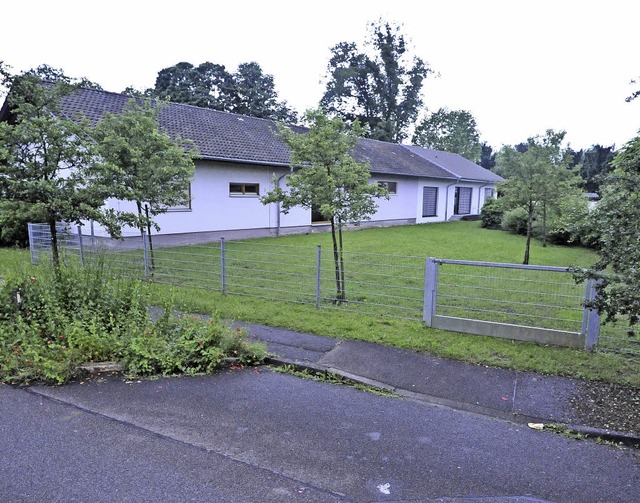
(517, 396)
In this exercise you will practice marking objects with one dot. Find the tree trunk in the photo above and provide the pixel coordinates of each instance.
(336, 263)
(146, 211)
(529, 232)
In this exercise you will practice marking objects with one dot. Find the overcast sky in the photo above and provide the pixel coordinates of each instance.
(519, 66)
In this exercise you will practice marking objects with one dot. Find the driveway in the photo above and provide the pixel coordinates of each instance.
(254, 435)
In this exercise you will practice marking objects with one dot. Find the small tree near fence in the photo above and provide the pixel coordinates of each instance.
(328, 180)
(49, 166)
(144, 164)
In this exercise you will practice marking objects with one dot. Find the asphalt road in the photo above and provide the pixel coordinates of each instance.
(254, 435)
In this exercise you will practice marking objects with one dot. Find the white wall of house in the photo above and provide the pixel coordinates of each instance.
(214, 207)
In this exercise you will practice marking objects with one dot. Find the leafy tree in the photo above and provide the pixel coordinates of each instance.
(48, 163)
(144, 164)
(248, 91)
(452, 131)
(537, 177)
(596, 163)
(207, 85)
(382, 91)
(487, 157)
(618, 217)
(327, 179)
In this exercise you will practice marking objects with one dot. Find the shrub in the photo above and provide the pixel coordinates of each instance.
(492, 213)
(515, 221)
(53, 321)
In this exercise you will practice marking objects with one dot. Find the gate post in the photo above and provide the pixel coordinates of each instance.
(146, 253)
(590, 317)
(430, 291)
(81, 245)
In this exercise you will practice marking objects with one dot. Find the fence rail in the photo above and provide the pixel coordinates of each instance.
(504, 300)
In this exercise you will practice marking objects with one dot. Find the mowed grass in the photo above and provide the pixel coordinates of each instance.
(456, 240)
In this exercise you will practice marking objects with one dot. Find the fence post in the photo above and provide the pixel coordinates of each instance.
(223, 264)
(318, 264)
(81, 245)
(33, 250)
(146, 254)
(430, 291)
(590, 317)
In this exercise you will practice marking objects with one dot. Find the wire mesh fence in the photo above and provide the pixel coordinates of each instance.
(375, 284)
(546, 298)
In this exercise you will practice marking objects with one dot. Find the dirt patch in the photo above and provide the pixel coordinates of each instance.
(608, 406)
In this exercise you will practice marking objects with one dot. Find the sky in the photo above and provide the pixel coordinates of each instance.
(519, 66)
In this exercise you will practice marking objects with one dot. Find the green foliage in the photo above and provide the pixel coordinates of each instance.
(379, 86)
(14, 219)
(38, 146)
(328, 179)
(516, 221)
(618, 217)
(143, 163)
(452, 131)
(539, 176)
(248, 91)
(491, 213)
(54, 320)
(595, 164)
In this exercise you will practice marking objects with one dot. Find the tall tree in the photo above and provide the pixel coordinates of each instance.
(48, 163)
(327, 179)
(255, 95)
(453, 131)
(596, 163)
(382, 91)
(487, 157)
(248, 91)
(618, 217)
(537, 178)
(144, 164)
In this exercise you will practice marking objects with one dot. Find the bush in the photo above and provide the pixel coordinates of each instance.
(515, 221)
(53, 321)
(492, 213)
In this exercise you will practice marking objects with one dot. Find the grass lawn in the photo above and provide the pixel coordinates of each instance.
(456, 240)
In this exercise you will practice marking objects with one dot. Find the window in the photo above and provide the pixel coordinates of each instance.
(488, 192)
(429, 201)
(462, 202)
(392, 187)
(244, 189)
(185, 207)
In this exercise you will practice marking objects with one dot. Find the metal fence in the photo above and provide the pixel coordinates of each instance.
(523, 302)
(501, 299)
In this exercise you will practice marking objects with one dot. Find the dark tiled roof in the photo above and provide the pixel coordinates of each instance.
(232, 137)
(455, 164)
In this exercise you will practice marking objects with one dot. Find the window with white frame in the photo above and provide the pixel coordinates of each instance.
(392, 187)
(244, 189)
(488, 192)
(429, 201)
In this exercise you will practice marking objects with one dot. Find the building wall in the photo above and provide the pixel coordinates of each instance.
(215, 210)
